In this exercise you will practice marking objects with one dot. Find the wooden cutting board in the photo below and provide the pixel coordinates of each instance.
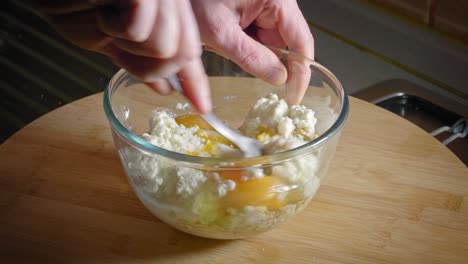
(393, 195)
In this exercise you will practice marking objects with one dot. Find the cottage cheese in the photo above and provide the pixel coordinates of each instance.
(214, 204)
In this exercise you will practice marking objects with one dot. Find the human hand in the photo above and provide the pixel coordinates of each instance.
(150, 39)
(236, 29)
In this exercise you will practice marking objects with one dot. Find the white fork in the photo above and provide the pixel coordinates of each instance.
(250, 147)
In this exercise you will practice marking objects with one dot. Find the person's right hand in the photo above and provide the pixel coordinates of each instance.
(150, 39)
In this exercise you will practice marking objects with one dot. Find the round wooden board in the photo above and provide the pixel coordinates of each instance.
(393, 195)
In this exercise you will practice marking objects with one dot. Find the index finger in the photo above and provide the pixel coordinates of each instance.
(193, 77)
(296, 33)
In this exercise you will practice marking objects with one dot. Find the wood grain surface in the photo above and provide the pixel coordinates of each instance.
(393, 195)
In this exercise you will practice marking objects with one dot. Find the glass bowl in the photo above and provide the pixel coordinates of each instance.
(208, 196)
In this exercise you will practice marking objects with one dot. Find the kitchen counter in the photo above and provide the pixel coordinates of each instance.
(367, 48)
(364, 46)
(393, 195)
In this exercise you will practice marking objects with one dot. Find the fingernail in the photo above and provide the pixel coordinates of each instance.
(160, 86)
(277, 76)
(205, 105)
(292, 97)
(165, 90)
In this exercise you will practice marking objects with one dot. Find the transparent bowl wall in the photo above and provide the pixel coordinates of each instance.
(294, 176)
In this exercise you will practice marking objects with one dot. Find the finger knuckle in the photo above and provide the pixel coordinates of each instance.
(147, 76)
(133, 30)
(216, 32)
(135, 33)
(275, 5)
(249, 58)
(164, 51)
(189, 53)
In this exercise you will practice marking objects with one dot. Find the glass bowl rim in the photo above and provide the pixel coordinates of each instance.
(197, 161)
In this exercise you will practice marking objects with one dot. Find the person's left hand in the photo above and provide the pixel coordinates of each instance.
(237, 29)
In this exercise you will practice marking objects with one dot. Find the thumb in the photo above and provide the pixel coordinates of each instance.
(251, 56)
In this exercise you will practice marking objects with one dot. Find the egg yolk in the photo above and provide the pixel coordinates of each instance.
(193, 120)
(263, 134)
(254, 192)
(206, 132)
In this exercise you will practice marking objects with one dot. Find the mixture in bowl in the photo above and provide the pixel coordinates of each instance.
(233, 202)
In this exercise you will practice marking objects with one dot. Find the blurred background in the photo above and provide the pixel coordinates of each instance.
(408, 56)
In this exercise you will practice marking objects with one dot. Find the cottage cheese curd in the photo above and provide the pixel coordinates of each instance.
(226, 203)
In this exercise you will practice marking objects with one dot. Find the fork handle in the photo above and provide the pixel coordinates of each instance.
(244, 143)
